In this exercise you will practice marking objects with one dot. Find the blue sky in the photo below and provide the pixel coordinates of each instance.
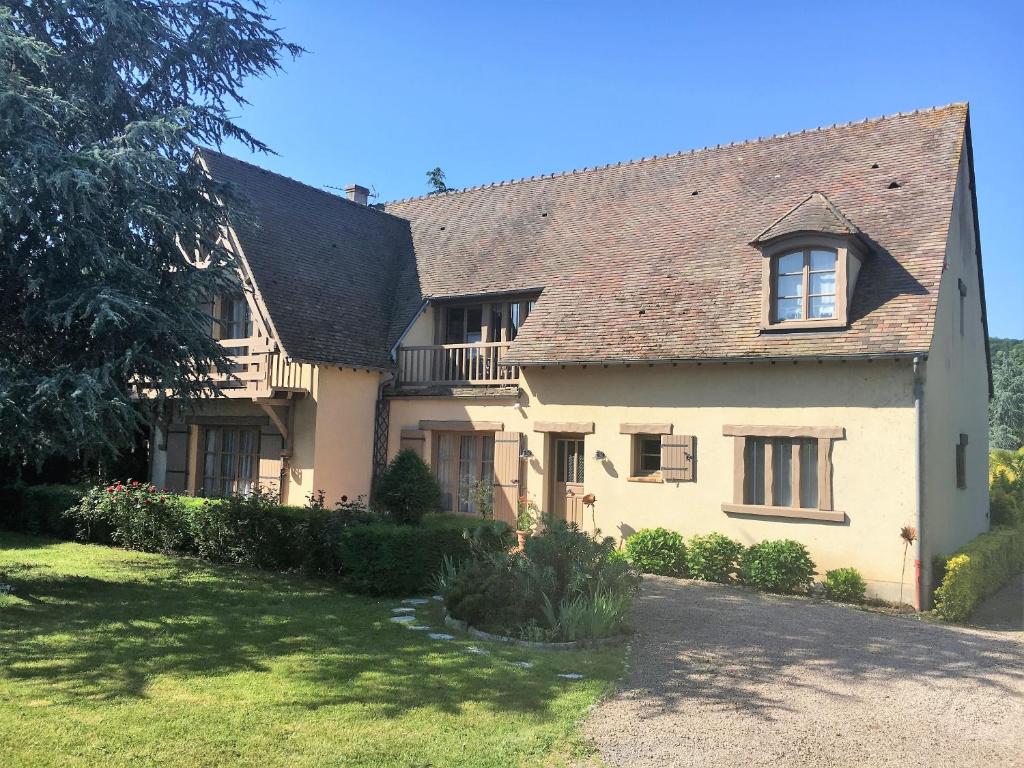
(492, 91)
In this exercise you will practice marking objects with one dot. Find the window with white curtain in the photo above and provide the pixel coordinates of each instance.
(230, 460)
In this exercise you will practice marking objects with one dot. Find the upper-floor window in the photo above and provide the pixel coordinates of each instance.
(234, 318)
(805, 285)
(495, 321)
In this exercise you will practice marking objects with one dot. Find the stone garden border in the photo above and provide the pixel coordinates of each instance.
(573, 645)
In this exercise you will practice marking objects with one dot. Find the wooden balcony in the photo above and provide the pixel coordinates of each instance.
(456, 365)
(258, 370)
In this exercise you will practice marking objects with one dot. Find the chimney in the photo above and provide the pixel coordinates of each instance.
(357, 194)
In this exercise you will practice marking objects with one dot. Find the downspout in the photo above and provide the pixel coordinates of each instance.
(919, 587)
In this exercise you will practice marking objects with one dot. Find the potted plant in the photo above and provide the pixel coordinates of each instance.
(527, 515)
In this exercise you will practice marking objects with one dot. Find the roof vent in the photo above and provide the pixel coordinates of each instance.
(357, 194)
(894, 185)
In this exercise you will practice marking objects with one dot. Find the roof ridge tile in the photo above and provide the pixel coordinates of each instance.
(695, 150)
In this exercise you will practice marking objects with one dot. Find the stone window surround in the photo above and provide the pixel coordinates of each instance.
(824, 435)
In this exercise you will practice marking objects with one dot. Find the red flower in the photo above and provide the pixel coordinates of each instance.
(344, 499)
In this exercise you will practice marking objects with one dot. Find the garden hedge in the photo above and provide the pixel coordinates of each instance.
(388, 559)
(347, 544)
(979, 569)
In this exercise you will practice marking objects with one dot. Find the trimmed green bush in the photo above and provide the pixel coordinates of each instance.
(407, 488)
(714, 557)
(38, 509)
(658, 551)
(389, 559)
(983, 566)
(845, 585)
(782, 565)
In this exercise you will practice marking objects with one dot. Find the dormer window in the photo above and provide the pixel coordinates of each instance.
(805, 285)
(812, 257)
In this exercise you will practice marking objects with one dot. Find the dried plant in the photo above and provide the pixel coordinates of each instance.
(909, 535)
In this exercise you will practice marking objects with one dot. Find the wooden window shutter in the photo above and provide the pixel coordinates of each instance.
(677, 457)
(506, 475)
(413, 439)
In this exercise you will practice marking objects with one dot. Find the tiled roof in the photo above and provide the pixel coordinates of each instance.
(814, 214)
(326, 267)
(651, 260)
(646, 260)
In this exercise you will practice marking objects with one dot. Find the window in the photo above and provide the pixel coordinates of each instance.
(234, 319)
(461, 462)
(569, 460)
(805, 285)
(230, 460)
(961, 462)
(787, 488)
(465, 324)
(646, 455)
(783, 471)
(962, 289)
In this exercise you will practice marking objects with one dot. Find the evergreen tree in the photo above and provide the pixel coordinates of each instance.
(102, 209)
(1006, 408)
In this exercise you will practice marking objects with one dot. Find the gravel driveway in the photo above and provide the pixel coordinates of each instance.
(720, 676)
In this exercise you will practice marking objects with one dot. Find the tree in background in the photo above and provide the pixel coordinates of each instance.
(102, 210)
(1006, 409)
(435, 179)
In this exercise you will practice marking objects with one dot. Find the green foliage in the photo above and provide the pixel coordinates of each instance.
(436, 182)
(389, 559)
(133, 515)
(845, 585)
(714, 557)
(1006, 408)
(407, 489)
(979, 569)
(657, 550)
(781, 565)
(1006, 487)
(102, 210)
(564, 585)
(38, 509)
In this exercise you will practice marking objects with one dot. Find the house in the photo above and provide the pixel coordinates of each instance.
(779, 338)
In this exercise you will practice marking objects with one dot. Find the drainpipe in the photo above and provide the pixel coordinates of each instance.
(919, 587)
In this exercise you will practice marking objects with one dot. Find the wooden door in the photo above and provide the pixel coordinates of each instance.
(567, 489)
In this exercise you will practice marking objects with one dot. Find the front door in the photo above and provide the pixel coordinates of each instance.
(567, 490)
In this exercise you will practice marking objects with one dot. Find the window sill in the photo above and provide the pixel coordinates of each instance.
(794, 512)
(830, 324)
(645, 479)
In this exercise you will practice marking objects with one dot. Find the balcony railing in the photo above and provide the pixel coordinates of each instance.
(456, 365)
(257, 370)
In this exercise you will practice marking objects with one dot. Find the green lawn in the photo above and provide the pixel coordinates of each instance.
(109, 657)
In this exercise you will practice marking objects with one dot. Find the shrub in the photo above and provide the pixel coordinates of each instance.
(564, 585)
(407, 489)
(388, 559)
(38, 509)
(782, 565)
(714, 557)
(133, 515)
(657, 550)
(983, 566)
(845, 585)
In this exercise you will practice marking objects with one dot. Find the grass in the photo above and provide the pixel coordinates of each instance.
(117, 658)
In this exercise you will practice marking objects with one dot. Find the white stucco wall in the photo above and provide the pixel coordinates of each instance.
(873, 465)
(956, 395)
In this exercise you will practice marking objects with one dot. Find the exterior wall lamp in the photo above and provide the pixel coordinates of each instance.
(525, 455)
(600, 455)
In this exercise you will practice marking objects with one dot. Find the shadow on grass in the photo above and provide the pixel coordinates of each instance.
(96, 637)
(728, 648)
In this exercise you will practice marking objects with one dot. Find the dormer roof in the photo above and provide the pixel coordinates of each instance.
(814, 214)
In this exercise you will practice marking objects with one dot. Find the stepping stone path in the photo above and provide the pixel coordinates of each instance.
(571, 676)
(417, 627)
(415, 601)
(523, 664)
(403, 619)
(478, 651)
(439, 598)
(403, 610)
(440, 636)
